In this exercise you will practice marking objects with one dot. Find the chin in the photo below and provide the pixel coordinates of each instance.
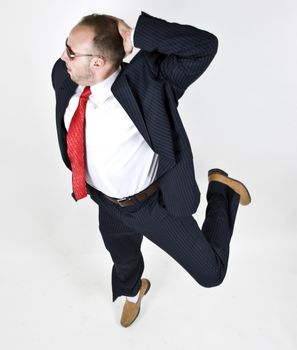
(80, 80)
(75, 80)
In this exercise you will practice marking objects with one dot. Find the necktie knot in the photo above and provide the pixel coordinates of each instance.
(86, 92)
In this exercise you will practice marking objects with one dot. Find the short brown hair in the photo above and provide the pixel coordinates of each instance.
(107, 37)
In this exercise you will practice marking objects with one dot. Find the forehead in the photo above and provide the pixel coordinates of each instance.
(80, 37)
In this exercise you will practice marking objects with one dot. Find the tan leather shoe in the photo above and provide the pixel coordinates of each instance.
(220, 176)
(131, 310)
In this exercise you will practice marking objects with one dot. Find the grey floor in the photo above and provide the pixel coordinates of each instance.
(55, 291)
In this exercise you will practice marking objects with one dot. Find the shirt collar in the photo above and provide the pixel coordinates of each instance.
(102, 90)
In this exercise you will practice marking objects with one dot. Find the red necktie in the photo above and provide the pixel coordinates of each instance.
(76, 146)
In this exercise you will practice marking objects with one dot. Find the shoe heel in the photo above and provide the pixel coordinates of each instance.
(148, 288)
(217, 171)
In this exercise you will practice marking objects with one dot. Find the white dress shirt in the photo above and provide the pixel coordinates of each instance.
(119, 162)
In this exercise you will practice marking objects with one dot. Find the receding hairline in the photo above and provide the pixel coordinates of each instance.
(107, 38)
(84, 33)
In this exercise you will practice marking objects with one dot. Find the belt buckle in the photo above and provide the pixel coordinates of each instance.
(121, 200)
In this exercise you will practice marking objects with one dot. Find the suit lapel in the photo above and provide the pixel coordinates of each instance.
(65, 91)
(123, 93)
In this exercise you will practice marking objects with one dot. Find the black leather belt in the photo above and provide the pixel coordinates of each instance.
(138, 197)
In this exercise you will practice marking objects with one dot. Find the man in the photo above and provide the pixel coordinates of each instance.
(121, 135)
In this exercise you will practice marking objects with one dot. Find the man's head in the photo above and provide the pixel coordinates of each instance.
(94, 49)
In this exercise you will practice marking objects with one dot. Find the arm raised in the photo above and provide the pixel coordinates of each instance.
(184, 52)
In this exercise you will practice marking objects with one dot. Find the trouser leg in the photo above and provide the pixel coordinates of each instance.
(203, 253)
(123, 244)
(219, 221)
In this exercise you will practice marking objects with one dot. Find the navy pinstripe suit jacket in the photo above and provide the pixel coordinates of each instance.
(171, 57)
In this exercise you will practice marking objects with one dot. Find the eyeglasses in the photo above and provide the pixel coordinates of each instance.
(72, 55)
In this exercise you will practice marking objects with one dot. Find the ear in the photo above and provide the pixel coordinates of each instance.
(98, 62)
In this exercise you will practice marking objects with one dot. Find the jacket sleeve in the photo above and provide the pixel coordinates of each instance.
(184, 52)
(59, 74)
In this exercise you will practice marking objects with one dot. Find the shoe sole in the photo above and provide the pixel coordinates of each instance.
(237, 186)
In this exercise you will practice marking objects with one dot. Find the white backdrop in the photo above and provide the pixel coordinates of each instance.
(240, 116)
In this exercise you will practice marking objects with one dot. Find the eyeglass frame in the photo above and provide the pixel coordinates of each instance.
(72, 55)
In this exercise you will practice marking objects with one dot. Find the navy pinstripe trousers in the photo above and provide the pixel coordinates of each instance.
(202, 252)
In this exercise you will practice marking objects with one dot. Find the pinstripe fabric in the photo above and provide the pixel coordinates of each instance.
(64, 89)
(123, 244)
(172, 56)
(203, 253)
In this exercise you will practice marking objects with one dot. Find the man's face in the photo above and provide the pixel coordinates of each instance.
(79, 68)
